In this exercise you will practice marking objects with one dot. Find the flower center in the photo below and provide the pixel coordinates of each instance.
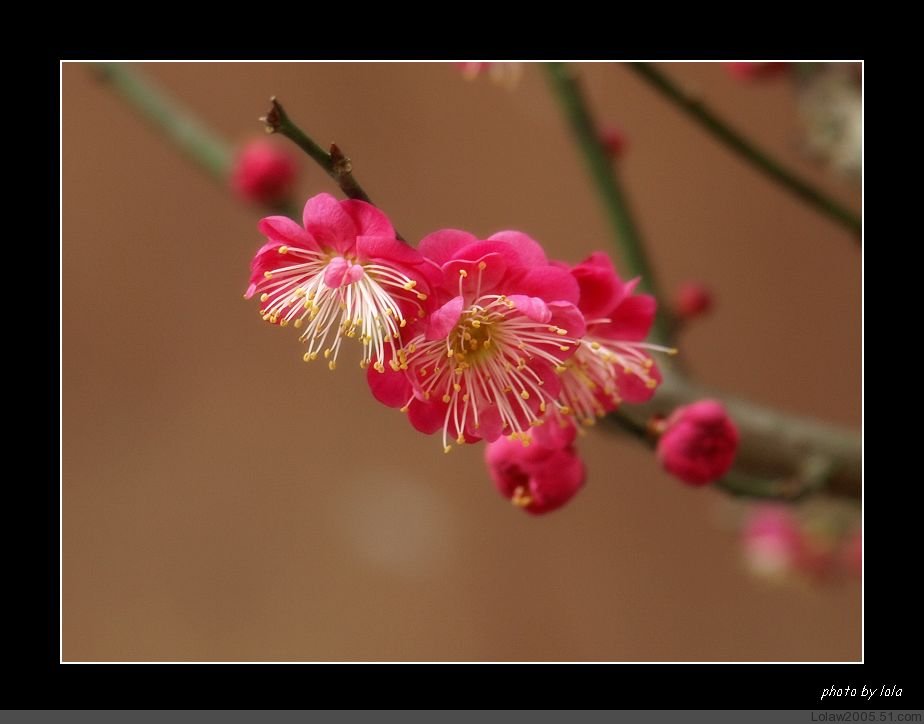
(333, 298)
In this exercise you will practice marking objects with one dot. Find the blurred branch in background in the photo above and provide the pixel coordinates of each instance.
(781, 456)
(746, 149)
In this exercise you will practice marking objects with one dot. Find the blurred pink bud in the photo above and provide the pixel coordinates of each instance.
(263, 173)
(772, 540)
(614, 140)
(692, 300)
(537, 472)
(699, 442)
(756, 71)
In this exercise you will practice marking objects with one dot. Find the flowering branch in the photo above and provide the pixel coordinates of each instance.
(758, 158)
(780, 456)
(626, 234)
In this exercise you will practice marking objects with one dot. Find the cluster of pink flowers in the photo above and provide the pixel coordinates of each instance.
(474, 339)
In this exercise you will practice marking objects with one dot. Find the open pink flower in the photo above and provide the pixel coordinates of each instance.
(502, 321)
(612, 363)
(699, 442)
(342, 274)
(539, 472)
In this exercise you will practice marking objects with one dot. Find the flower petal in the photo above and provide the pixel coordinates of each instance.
(533, 307)
(441, 246)
(329, 223)
(631, 320)
(426, 417)
(551, 283)
(386, 249)
(389, 387)
(283, 230)
(368, 219)
(528, 249)
(444, 319)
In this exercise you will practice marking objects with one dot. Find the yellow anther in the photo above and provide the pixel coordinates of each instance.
(327, 353)
(307, 357)
(520, 497)
(403, 323)
(446, 398)
(264, 297)
(379, 367)
(332, 365)
(463, 273)
(410, 284)
(561, 331)
(482, 265)
(650, 383)
(524, 394)
(564, 348)
(461, 439)
(268, 275)
(284, 323)
(421, 297)
(457, 387)
(283, 249)
(403, 409)
(297, 323)
(447, 448)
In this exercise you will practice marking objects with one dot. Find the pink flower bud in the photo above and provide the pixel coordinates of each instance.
(263, 173)
(692, 300)
(755, 71)
(699, 442)
(772, 540)
(614, 141)
(538, 473)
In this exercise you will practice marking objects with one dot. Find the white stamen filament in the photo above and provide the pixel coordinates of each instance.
(367, 306)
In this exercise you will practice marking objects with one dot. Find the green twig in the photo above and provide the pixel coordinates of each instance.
(187, 132)
(758, 158)
(626, 235)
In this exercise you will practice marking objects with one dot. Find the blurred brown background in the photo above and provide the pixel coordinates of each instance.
(225, 501)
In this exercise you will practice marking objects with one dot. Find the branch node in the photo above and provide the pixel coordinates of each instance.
(342, 165)
(274, 117)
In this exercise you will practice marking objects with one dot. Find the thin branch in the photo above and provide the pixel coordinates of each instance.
(626, 235)
(746, 149)
(335, 163)
(780, 456)
(187, 132)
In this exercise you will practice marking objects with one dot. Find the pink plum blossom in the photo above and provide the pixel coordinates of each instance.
(612, 363)
(501, 321)
(342, 273)
(539, 472)
(699, 442)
